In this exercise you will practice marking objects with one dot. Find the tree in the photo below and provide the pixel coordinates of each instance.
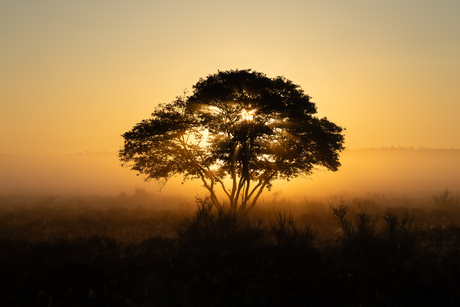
(239, 130)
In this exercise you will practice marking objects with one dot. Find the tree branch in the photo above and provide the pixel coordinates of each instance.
(253, 203)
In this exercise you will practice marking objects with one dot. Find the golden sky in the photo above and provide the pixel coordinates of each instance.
(75, 75)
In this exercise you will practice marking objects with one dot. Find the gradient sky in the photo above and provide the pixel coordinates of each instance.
(75, 75)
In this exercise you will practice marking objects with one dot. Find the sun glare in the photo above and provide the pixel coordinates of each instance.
(248, 115)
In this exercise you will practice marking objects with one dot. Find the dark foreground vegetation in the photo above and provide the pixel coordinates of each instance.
(353, 252)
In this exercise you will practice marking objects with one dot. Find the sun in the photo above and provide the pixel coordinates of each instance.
(248, 115)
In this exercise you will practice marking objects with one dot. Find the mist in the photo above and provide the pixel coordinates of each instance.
(405, 172)
(393, 171)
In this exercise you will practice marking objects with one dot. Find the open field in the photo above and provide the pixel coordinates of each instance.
(124, 251)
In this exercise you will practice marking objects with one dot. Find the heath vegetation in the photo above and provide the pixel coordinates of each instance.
(58, 251)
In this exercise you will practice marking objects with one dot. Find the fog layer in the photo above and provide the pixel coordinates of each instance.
(391, 170)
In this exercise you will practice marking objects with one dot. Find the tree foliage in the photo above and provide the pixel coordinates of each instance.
(240, 131)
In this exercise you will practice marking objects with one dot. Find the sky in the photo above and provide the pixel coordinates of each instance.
(75, 75)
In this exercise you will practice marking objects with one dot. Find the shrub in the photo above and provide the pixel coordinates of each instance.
(399, 232)
(363, 229)
(217, 230)
(287, 234)
(446, 200)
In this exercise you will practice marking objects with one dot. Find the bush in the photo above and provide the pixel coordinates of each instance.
(399, 233)
(217, 230)
(446, 200)
(289, 235)
(363, 229)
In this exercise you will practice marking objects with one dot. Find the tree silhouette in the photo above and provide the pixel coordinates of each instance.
(239, 130)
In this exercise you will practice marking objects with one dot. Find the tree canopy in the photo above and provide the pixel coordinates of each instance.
(240, 131)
